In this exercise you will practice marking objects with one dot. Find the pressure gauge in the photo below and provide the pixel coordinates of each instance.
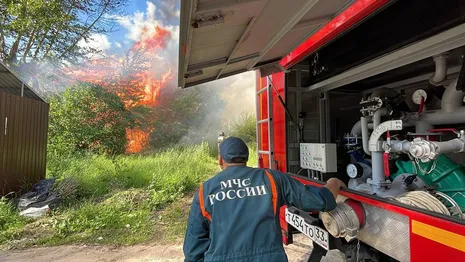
(354, 170)
(418, 94)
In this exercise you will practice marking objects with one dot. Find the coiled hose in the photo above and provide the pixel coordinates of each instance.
(423, 199)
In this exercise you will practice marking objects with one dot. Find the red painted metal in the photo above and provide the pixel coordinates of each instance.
(279, 122)
(427, 250)
(358, 209)
(421, 249)
(453, 130)
(422, 105)
(341, 23)
(387, 171)
(263, 129)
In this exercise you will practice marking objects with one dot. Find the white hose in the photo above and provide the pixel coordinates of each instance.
(423, 199)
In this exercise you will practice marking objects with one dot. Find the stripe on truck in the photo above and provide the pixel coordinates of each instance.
(439, 235)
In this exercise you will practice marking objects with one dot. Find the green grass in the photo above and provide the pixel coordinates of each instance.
(118, 200)
(10, 221)
(178, 169)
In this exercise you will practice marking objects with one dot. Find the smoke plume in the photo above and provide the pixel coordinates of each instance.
(138, 71)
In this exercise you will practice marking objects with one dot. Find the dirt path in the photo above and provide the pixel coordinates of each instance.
(138, 253)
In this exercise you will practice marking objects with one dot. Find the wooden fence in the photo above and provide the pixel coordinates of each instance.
(23, 142)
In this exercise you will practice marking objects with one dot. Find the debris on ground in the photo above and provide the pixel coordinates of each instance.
(67, 188)
(35, 212)
(40, 200)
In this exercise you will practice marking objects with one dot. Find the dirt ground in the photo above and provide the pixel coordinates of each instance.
(139, 253)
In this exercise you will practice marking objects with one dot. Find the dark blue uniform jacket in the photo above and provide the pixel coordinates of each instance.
(235, 215)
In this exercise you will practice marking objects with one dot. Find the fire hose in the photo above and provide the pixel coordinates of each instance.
(423, 199)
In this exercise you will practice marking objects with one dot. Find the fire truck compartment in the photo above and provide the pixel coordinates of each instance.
(369, 91)
(389, 94)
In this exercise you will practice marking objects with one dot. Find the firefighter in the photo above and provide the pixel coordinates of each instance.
(235, 214)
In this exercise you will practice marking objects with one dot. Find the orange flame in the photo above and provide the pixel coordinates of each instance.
(131, 78)
(154, 41)
(138, 140)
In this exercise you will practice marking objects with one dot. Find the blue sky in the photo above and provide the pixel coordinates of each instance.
(165, 14)
(139, 14)
(139, 11)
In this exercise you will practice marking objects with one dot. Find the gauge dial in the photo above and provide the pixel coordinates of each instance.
(354, 170)
(418, 94)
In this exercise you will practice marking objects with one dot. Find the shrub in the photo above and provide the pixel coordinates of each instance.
(87, 118)
(245, 128)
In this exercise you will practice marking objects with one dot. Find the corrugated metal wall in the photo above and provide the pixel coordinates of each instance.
(23, 142)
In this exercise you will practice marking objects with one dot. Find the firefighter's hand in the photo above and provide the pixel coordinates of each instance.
(343, 184)
(334, 184)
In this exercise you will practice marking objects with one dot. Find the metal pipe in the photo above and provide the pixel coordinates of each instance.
(452, 111)
(426, 150)
(423, 126)
(377, 116)
(357, 128)
(364, 126)
(441, 70)
(452, 146)
(377, 167)
(400, 146)
(374, 143)
(444, 118)
(377, 161)
(451, 99)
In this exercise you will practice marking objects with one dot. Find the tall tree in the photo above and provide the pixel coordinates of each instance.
(32, 30)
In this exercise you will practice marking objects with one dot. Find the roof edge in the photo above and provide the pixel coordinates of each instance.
(22, 81)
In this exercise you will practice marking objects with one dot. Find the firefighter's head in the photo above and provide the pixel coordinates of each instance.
(233, 152)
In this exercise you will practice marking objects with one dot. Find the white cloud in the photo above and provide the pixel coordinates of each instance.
(151, 9)
(98, 42)
(168, 10)
(141, 25)
(166, 15)
(137, 23)
(117, 44)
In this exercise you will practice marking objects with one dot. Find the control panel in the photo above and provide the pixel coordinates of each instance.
(319, 157)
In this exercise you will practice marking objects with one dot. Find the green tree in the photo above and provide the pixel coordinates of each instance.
(32, 30)
(87, 118)
(245, 128)
(38, 38)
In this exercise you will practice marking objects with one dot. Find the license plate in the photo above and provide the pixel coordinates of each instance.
(316, 234)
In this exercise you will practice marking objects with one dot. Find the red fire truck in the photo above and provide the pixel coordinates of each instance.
(370, 91)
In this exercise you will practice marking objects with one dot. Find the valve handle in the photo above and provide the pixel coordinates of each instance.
(387, 172)
(453, 130)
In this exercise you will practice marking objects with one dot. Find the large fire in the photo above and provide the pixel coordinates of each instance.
(132, 78)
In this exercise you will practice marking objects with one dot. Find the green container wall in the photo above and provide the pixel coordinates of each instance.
(447, 177)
